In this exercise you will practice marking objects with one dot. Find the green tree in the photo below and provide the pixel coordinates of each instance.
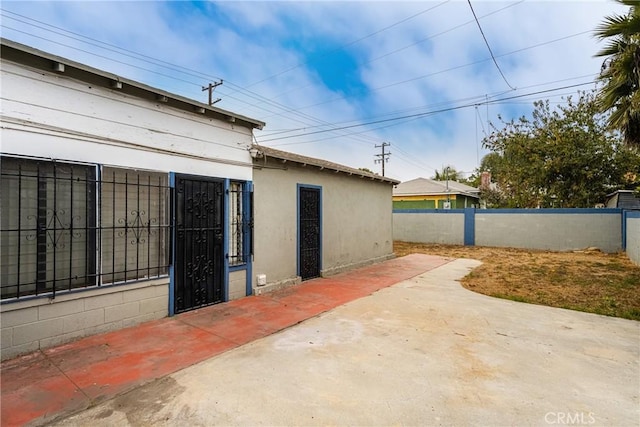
(621, 71)
(565, 157)
(492, 197)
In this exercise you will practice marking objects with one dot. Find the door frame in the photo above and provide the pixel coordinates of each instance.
(320, 229)
(225, 230)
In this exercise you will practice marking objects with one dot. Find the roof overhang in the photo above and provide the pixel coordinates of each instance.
(618, 192)
(261, 154)
(34, 58)
(442, 193)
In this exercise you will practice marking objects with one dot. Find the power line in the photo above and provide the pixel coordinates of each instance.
(350, 43)
(176, 68)
(457, 67)
(411, 158)
(138, 56)
(489, 47)
(424, 114)
(411, 117)
(392, 113)
(414, 43)
(484, 96)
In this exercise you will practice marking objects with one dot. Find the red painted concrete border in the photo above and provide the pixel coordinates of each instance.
(60, 380)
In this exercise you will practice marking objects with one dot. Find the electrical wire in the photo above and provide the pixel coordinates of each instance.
(488, 46)
(271, 133)
(351, 43)
(424, 76)
(427, 113)
(431, 37)
(257, 96)
(153, 61)
(293, 111)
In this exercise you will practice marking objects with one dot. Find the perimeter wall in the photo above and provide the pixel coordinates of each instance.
(610, 230)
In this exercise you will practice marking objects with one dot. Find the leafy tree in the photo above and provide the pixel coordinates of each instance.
(492, 197)
(621, 71)
(473, 180)
(565, 157)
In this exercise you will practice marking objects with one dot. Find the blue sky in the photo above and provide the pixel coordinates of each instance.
(334, 79)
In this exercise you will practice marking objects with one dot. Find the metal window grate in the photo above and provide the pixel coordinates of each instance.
(62, 228)
(134, 225)
(240, 223)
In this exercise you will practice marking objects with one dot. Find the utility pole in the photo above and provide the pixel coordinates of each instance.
(447, 204)
(383, 157)
(210, 88)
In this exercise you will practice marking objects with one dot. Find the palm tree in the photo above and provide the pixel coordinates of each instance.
(621, 71)
(447, 173)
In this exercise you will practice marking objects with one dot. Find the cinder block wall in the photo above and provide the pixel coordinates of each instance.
(633, 236)
(39, 323)
(237, 284)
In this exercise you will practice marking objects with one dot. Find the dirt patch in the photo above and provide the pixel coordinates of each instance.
(590, 281)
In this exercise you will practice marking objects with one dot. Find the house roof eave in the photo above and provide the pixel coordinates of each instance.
(285, 156)
(25, 55)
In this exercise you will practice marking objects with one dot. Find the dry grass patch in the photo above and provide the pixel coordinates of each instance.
(592, 281)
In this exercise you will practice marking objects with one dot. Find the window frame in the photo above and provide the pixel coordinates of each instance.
(49, 226)
(240, 224)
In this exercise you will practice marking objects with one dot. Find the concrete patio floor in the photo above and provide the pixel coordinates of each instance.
(423, 352)
(45, 385)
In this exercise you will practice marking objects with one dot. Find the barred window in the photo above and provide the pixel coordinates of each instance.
(134, 225)
(63, 229)
(239, 223)
(48, 226)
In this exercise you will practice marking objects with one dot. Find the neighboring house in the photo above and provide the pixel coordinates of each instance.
(123, 203)
(314, 218)
(423, 193)
(624, 199)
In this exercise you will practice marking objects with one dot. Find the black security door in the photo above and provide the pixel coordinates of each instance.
(199, 242)
(309, 229)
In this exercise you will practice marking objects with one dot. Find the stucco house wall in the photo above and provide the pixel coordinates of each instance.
(356, 217)
(78, 115)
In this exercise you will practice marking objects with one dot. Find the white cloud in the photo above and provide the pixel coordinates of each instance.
(247, 42)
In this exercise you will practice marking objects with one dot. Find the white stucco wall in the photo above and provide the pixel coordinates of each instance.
(356, 220)
(49, 115)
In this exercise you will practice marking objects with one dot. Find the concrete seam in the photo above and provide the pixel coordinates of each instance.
(65, 375)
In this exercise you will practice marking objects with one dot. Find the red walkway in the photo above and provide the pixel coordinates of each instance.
(64, 379)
